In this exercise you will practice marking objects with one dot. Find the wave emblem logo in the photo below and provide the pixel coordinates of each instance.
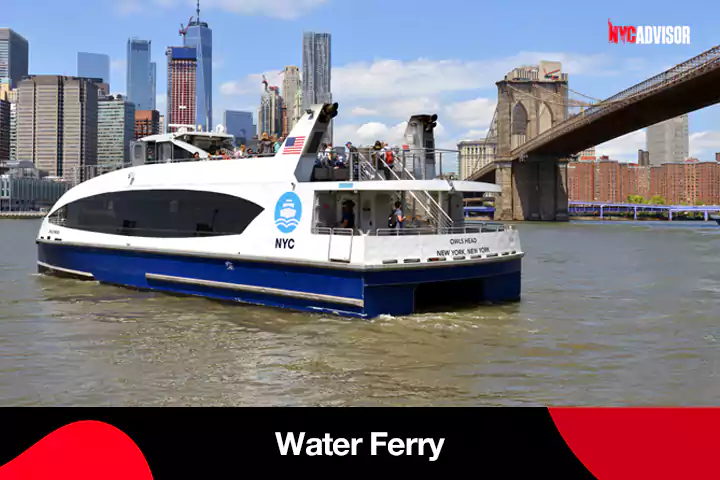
(288, 212)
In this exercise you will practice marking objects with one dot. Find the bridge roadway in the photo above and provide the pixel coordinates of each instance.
(686, 87)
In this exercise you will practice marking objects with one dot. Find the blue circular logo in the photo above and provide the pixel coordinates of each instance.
(288, 212)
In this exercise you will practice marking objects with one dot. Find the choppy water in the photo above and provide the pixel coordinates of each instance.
(625, 313)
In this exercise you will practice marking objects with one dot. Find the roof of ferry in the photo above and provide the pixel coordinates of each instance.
(167, 136)
(399, 185)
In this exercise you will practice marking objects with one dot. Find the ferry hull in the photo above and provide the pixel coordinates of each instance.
(344, 291)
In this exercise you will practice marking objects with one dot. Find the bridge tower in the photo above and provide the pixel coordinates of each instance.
(531, 100)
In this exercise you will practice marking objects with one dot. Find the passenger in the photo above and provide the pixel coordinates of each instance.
(352, 157)
(278, 144)
(376, 154)
(265, 146)
(322, 160)
(240, 152)
(196, 155)
(398, 217)
(348, 218)
(250, 152)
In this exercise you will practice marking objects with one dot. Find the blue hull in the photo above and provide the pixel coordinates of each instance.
(343, 291)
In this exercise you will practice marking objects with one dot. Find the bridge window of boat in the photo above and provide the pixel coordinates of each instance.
(426, 212)
(160, 214)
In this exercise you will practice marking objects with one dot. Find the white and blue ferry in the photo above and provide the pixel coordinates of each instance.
(268, 230)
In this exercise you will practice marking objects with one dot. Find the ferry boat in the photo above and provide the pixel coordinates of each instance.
(716, 218)
(268, 231)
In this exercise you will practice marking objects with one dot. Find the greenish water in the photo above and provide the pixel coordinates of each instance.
(612, 313)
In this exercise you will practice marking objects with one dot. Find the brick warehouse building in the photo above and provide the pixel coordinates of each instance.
(182, 86)
(605, 180)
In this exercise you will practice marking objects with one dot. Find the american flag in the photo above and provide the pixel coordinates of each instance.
(294, 145)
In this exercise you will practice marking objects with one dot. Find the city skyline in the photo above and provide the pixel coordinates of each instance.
(373, 84)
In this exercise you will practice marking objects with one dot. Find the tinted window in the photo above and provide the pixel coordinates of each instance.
(161, 213)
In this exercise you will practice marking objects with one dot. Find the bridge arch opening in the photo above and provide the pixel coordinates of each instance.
(545, 118)
(519, 125)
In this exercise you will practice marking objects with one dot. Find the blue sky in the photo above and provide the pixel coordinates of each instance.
(390, 58)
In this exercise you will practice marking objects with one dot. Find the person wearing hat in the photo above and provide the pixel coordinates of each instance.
(348, 218)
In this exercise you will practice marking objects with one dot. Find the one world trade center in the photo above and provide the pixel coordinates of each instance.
(197, 34)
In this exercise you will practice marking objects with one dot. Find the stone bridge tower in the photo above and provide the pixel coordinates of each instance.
(531, 100)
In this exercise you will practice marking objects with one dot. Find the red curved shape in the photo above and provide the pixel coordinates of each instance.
(634, 443)
(80, 451)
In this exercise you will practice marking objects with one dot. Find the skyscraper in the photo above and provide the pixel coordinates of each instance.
(198, 35)
(14, 56)
(270, 112)
(4, 130)
(317, 63)
(668, 141)
(182, 82)
(291, 85)
(140, 74)
(116, 128)
(57, 124)
(240, 125)
(93, 65)
(153, 83)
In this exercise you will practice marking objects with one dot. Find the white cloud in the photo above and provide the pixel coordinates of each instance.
(283, 9)
(703, 145)
(422, 77)
(473, 134)
(400, 108)
(476, 113)
(623, 148)
(252, 84)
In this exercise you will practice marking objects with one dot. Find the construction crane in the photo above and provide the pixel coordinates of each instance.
(184, 29)
(265, 82)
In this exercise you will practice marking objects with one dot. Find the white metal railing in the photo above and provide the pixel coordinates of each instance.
(428, 203)
(483, 227)
(453, 230)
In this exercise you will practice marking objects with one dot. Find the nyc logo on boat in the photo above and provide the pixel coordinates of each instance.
(288, 212)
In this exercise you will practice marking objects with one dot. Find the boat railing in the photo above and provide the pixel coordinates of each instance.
(484, 227)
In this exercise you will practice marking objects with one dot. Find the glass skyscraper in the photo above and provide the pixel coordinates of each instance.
(240, 125)
(317, 64)
(93, 65)
(140, 74)
(199, 35)
(14, 56)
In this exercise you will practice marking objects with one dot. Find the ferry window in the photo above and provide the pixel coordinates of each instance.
(162, 213)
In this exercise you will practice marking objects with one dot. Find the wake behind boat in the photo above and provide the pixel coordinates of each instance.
(268, 230)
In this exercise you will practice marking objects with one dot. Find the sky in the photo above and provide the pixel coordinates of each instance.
(391, 58)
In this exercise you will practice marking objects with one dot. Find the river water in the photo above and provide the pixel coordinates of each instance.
(612, 313)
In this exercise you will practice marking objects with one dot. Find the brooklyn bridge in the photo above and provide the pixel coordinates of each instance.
(536, 137)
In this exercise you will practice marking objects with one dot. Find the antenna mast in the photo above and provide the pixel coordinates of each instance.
(197, 11)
